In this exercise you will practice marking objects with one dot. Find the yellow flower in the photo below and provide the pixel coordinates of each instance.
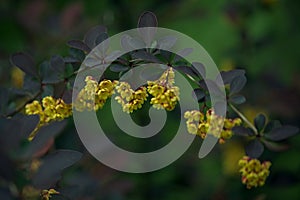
(254, 173)
(93, 96)
(165, 94)
(211, 123)
(129, 99)
(46, 194)
(50, 110)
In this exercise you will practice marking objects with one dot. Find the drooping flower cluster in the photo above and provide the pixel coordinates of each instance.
(50, 110)
(211, 123)
(165, 94)
(129, 99)
(254, 173)
(93, 96)
(46, 194)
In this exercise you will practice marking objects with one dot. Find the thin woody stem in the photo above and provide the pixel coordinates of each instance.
(244, 119)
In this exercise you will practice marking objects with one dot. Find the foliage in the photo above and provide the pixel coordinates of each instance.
(41, 163)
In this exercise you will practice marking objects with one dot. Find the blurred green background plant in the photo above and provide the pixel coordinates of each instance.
(261, 36)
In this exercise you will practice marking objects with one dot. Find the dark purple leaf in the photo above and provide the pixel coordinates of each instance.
(71, 60)
(282, 133)
(25, 63)
(187, 70)
(259, 122)
(91, 36)
(254, 148)
(242, 131)
(275, 146)
(50, 75)
(237, 84)
(57, 63)
(182, 53)
(200, 94)
(200, 69)
(78, 44)
(52, 166)
(228, 76)
(237, 99)
(104, 40)
(272, 125)
(147, 19)
(115, 67)
(167, 42)
(145, 56)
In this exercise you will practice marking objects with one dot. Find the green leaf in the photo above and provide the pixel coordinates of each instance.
(52, 167)
(237, 99)
(254, 148)
(259, 122)
(237, 84)
(25, 63)
(69, 70)
(242, 131)
(282, 133)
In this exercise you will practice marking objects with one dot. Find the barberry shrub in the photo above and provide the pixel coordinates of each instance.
(34, 115)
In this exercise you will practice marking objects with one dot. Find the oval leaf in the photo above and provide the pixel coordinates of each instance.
(52, 167)
(147, 19)
(237, 99)
(187, 70)
(282, 133)
(25, 63)
(237, 84)
(200, 69)
(78, 44)
(91, 36)
(275, 146)
(272, 125)
(118, 67)
(228, 76)
(254, 149)
(259, 122)
(200, 94)
(57, 63)
(242, 131)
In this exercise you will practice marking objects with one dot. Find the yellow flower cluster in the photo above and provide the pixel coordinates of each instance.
(211, 123)
(46, 194)
(129, 99)
(254, 173)
(50, 110)
(165, 94)
(93, 96)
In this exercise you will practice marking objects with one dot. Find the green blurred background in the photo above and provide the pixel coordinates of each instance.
(261, 36)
